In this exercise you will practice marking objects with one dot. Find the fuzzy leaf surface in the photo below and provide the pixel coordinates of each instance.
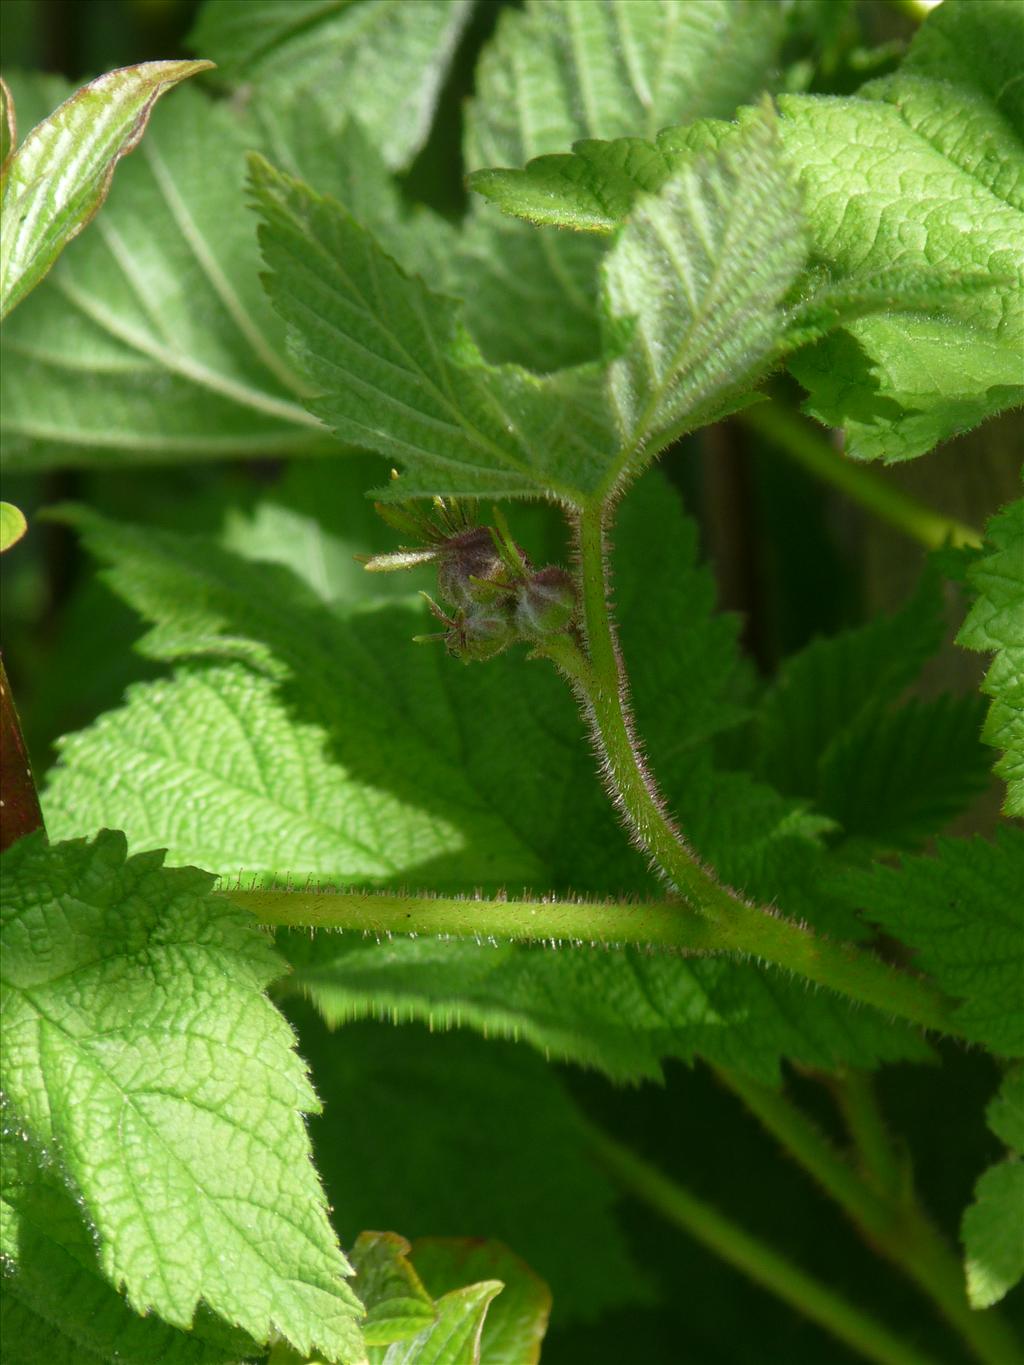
(594, 187)
(922, 170)
(399, 373)
(140, 1051)
(963, 914)
(311, 742)
(913, 193)
(56, 1305)
(993, 1226)
(698, 277)
(55, 182)
(551, 75)
(302, 729)
(382, 61)
(701, 270)
(996, 624)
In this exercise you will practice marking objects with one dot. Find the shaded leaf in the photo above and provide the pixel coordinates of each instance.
(962, 913)
(517, 1319)
(60, 175)
(152, 339)
(895, 777)
(397, 1305)
(822, 691)
(993, 1226)
(457, 1136)
(382, 61)
(322, 744)
(996, 623)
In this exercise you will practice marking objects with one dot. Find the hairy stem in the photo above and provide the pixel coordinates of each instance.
(891, 1222)
(599, 680)
(754, 1258)
(668, 925)
(807, 445)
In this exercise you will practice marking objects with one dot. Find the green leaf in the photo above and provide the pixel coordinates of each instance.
(310, 141)
(401, 376)
(996, 623)
(962, 913)
(268, 746)
(454, 1339)
(57, 1308)
(914, 213)
(1006, 1112)
(314, 521)
(993, 1226)
(923, 170)
(12, 525)
(517, 1319)
(821, 693)
(397, 1305)
(595, 187)
(829, 730)
(152, 339)
(140, 1052)
(895, 777)
(552, 75)
(321, 744)
(394, 57)
(57, 179)
(8, 128)
(702, 270)
(992, 1233)
(698, 277)
(456, 1134)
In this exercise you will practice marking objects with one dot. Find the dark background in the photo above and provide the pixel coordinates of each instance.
(794, 558)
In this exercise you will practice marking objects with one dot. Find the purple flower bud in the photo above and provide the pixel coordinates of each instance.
(480, 634)
(545, 603)
(470, 555)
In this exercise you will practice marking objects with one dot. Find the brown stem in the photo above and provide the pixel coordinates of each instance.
(19, 801)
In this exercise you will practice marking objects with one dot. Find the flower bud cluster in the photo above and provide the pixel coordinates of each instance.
(492, 594)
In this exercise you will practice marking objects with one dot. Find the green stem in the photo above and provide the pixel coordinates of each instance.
(878, 1157)
(740, 927)
(805, 443)
(667, 925)
(808, 1296)
(895, 1226)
